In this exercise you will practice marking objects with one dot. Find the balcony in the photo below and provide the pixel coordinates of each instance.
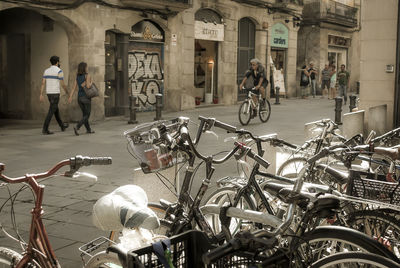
(330, 11)
(166, 7)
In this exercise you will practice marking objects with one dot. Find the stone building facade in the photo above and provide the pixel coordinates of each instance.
(330, 35)
(182, 49)
(379, 68)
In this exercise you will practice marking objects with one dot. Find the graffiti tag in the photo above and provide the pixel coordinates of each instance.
(145, 76)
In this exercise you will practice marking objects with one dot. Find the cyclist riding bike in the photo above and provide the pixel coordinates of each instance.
(257, 72)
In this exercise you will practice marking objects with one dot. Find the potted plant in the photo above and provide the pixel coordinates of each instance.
(197, 100)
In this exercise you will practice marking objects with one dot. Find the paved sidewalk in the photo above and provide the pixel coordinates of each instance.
(68, 202)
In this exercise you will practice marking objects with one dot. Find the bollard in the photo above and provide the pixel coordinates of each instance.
(158, 107)
(353, 99)
(338, 110)
(132, 110)
(277, 95)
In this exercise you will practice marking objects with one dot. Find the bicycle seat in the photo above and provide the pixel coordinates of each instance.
(337, 175)
(125, 207)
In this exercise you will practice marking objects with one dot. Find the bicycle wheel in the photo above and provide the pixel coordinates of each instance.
(8, 257)
(265, 111)
(245, 113)
(378, 225)
(291, 167)
(227, 195)
(104, 260)
(355, 259)
(326, 240)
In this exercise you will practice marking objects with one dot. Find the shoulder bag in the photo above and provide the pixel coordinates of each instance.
(92, 91)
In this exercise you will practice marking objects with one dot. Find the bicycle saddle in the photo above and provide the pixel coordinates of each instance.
(125, 207)
(337, 175)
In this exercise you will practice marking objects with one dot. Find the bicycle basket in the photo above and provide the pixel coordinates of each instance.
(149, 149)
(187, 250)
(372, 186)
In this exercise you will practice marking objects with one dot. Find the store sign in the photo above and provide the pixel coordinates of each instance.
(339, 41)
(146, 31)
(208, 31)
(280, 36)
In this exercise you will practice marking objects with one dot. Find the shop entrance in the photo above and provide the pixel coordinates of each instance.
(337, 57)
(205, 70)
(279, 70)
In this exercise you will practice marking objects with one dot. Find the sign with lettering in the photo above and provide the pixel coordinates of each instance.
(147, 31)
(208, 31)
(280, 36)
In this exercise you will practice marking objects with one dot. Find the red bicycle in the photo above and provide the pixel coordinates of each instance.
(38, 251)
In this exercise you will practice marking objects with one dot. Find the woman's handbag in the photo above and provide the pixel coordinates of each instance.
(92, 91)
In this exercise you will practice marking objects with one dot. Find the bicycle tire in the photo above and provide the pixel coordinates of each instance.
(298, 163)
(264, 115)
(342, 238)
(103, 260)
(216, 197)
(359, 259)
(389, 227)
(244, 107)
(9, 257)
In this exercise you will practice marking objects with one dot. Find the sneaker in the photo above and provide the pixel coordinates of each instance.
(47, 132)
(90, 131)
(64, 126)
(76, 131)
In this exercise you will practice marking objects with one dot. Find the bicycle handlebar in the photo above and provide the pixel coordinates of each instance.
(213, 122)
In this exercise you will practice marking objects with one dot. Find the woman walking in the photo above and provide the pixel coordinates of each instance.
(304, 82)
(82, 79)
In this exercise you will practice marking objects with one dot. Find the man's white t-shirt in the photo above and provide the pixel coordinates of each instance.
(53, 75)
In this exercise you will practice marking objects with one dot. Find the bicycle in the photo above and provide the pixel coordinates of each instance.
(249, 108)
(38, 251)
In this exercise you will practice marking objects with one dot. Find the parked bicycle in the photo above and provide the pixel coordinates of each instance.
(37, 252)
(252, 105)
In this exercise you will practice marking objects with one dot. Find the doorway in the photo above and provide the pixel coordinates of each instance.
(205, 70)
(14, 96)
(337, 57)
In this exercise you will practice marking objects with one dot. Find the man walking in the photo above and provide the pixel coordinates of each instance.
(313, 72)
(343, 78)
(325, 79)
(53, 77)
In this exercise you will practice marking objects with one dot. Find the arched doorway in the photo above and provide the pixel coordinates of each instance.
(28, 38)
(146, 63)
(246, 49)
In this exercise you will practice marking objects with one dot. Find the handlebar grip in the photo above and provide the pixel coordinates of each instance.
(259, 159)
(225, 126)
(100, 160)
(220, 251)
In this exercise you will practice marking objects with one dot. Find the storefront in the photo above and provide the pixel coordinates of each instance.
(337, 50)
(145, 63)
(208, 32)
(279, 47)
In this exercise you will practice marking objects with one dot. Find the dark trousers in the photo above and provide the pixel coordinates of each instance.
(53, 109)
(86, 105)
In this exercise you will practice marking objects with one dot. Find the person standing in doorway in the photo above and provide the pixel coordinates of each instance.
(257, 72)
(313, 75)
(53, 78)
(343, 78)
(332, 92)
(85, 103)
(325, 80)
(304, 82)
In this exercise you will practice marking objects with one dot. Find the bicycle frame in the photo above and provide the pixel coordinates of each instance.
(38, 249)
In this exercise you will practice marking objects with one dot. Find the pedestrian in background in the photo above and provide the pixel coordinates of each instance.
(313, 77)
(332, 90)
(325, 80)
(83, 79)
(304, 82)
(53, 77)
(343, 78)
